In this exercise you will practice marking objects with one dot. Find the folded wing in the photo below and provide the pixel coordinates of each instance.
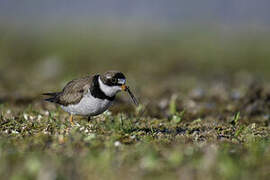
(72, 93)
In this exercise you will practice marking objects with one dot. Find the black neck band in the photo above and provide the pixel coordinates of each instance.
(97, 92)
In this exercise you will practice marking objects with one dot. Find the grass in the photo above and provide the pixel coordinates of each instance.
(41, 144)
(204, 110)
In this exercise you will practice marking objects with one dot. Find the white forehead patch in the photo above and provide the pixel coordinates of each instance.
(121, 81)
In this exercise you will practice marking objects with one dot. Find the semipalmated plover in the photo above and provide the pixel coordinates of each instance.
(90, 95)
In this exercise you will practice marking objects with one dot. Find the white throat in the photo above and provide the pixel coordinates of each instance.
(108, 90)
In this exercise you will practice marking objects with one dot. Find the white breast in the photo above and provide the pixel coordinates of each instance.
(88, 106)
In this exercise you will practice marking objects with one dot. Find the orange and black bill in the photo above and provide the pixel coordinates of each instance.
(126, 88)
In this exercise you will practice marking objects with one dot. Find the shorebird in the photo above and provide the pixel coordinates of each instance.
(90, 95)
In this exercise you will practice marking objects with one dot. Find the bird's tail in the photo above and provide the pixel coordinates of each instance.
(53, 97)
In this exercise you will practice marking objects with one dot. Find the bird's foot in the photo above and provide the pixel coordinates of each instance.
(71, 120)
(89, 118)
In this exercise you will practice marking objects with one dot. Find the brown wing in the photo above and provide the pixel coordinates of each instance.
(74, 91)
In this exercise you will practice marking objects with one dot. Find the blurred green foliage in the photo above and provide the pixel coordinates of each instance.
(166, 56)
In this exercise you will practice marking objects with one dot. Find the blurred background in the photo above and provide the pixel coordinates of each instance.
(162, 46)
(199, 68)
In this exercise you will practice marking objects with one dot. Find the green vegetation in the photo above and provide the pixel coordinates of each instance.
(204, 113)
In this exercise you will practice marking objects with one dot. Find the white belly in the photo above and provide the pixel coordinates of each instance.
(88, 106)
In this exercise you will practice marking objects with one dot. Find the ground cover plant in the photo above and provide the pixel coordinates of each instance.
(204, 107)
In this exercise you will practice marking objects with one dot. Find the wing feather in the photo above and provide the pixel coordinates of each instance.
(73, 92)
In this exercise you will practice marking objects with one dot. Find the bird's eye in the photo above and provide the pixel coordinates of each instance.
(114, 80)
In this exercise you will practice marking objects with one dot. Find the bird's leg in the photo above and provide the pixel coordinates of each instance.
(89, 118)
(71, 120)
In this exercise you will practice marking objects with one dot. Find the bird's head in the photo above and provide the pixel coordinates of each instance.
(112, 82)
